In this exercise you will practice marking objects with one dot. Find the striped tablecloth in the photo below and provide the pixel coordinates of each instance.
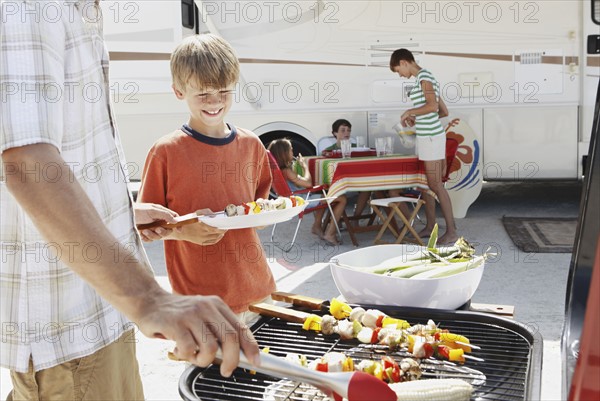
(367, 173)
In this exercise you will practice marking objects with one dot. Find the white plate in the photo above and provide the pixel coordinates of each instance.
(360, 149)
(224, 222)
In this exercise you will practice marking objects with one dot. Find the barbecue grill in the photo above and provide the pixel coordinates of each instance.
(510, 352)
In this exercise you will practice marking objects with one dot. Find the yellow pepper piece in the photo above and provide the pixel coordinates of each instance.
(411, 343)
(312, 322)
(449, 340)
(348, 365)
(400, 324)
(456, 355)
(378, 371)
(339, 309)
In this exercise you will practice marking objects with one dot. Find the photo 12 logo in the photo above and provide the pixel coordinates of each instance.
(454, 12)
(486, 92)
(69, 92)
(255, 12)
(49, 11)
(68, 252)
(125, 12)
(287, 92)
(89, 173)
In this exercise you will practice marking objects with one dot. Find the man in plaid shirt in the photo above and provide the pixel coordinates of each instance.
(73, 270)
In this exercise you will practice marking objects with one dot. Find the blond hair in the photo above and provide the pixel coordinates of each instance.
(204, 61)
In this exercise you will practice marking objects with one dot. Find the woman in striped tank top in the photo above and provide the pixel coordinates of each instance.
(431, 137)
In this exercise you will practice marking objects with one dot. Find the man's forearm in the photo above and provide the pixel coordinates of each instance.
(64, 215)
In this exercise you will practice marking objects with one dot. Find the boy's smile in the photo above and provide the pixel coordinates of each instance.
(207, 109)
(212, 114)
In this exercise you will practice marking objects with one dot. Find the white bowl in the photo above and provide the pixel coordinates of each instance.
(369, 288)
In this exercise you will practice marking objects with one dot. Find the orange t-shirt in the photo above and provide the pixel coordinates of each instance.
(187, 174)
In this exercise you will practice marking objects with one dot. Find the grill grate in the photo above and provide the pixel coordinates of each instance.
(509, 351)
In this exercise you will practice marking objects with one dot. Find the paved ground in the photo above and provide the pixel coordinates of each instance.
(534, 283)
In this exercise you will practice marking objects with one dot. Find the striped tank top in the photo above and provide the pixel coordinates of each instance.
(426, 124)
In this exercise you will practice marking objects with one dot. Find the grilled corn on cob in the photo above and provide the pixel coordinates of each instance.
(433, 389)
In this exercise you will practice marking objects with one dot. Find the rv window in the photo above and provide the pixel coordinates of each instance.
(596, 11)
(187, 14)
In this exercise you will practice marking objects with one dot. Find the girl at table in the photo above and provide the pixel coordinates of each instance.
(431, 137)
(283, 152)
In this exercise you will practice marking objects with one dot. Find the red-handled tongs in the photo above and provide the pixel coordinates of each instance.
(353, 386)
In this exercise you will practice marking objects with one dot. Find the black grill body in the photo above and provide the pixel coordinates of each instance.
(510, 351)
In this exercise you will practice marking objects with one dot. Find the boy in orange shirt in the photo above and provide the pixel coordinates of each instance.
(208, 164)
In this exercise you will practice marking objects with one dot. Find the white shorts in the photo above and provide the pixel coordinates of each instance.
(431, 147)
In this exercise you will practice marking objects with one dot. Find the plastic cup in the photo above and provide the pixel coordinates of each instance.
(380, 144)
(360, 142)
(346, 147)
(389, 145)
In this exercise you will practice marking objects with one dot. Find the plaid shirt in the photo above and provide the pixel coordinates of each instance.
(54, 90)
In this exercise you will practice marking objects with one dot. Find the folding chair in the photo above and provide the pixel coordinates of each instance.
(392, 203)
(281, 188)
(354, 229)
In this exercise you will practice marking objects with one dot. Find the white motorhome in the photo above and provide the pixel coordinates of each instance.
(522, 75)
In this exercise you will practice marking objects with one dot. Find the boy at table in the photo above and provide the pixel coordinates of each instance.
(341, 129)
(208, 164)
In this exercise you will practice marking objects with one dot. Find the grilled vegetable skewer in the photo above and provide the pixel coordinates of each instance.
(395, 333)
(341, 310)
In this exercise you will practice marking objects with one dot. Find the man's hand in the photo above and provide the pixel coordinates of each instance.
(150, 212)
(199, 325)
(199, 233)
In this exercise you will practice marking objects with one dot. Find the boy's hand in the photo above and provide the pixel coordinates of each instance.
(150, 212)
(199, 233)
